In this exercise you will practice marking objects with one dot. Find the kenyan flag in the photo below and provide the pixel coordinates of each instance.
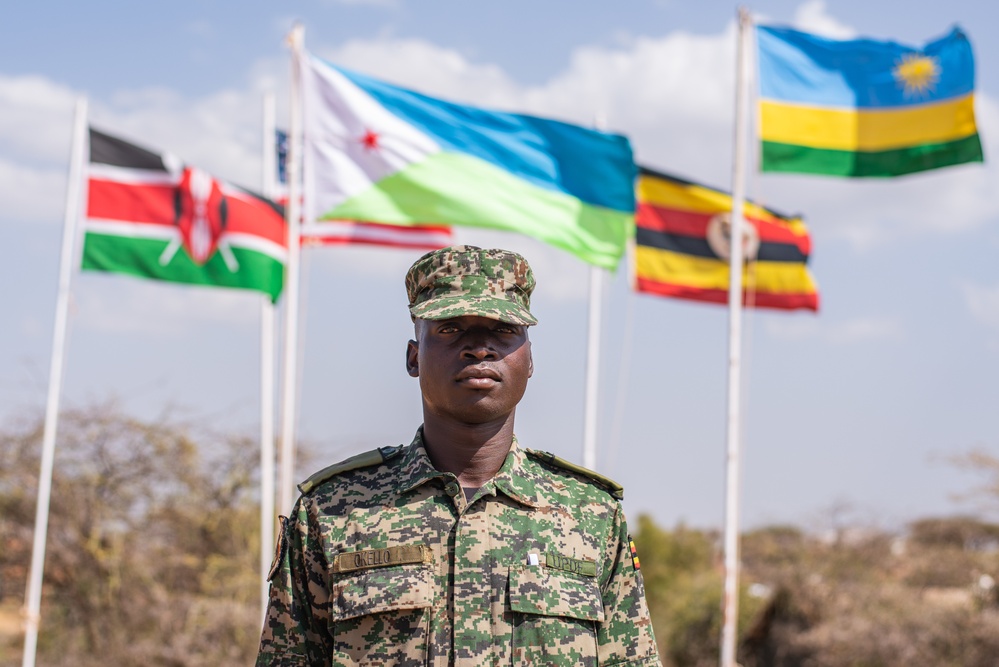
(149, 215)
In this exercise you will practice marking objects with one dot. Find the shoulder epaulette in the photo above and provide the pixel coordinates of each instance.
(610, 485)
(372, 458)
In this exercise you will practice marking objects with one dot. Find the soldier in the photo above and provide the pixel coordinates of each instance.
(464, 548)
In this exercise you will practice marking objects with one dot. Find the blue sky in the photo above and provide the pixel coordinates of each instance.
(853, 412)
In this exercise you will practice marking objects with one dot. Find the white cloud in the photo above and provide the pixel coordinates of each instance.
(415, 63)
(37, 119)
(220, 132)
(983, 302)
(672, 95)
(811, 16)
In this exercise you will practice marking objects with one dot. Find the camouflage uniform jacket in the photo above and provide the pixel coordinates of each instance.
(385, 563)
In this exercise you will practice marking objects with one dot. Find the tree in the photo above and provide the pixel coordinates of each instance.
(152, 543)
(983, 463)
(683, 585)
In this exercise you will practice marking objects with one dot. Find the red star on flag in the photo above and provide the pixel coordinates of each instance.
(370, 140)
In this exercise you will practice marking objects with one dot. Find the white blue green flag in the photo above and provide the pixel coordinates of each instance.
(376, 152)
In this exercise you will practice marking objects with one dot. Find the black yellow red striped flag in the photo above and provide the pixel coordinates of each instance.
(682, 239)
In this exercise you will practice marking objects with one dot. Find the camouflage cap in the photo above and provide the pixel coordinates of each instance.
(466, 280)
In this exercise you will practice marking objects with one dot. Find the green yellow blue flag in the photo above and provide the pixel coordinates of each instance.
(864, 107)
(375, 152)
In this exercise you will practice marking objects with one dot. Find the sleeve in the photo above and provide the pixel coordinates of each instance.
(625, 637)
(295, 632)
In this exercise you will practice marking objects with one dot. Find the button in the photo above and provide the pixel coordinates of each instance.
(452, 489)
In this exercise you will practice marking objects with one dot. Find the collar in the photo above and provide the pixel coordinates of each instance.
(416, 466)
(519, 477)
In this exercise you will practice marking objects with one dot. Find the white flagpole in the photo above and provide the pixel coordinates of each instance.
(592, 369)
(34, 594)
(267, 376)
(591, 400)
(292, 273)
(733, 457)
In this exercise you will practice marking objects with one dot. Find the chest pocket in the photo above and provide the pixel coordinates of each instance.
(381, 615)
(556, 615)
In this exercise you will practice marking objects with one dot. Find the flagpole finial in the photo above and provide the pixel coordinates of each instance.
(296, 36)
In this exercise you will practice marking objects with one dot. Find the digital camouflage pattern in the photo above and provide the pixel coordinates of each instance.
(466, 280)
(385, 563)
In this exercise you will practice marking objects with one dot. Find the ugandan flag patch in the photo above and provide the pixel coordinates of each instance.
(634, 554)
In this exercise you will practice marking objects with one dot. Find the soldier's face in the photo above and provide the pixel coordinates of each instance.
(472, 369)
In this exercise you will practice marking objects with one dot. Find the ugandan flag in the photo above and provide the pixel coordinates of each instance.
(682, 247)
(149, 215)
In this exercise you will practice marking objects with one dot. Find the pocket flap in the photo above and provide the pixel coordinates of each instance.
(549, 592)
(395, 588)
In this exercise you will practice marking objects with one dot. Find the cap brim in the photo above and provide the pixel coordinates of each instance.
(446, 307)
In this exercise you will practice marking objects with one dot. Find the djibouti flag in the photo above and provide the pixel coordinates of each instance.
(375, 152)
(864, 107)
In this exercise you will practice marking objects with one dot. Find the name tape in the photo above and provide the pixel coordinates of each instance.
(365, 559)
(586, 568)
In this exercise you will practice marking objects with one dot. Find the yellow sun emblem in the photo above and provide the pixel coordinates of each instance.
(917, 73)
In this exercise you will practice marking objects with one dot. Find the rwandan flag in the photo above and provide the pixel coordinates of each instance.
(375, 152)
(682, 247)
(863, 107)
